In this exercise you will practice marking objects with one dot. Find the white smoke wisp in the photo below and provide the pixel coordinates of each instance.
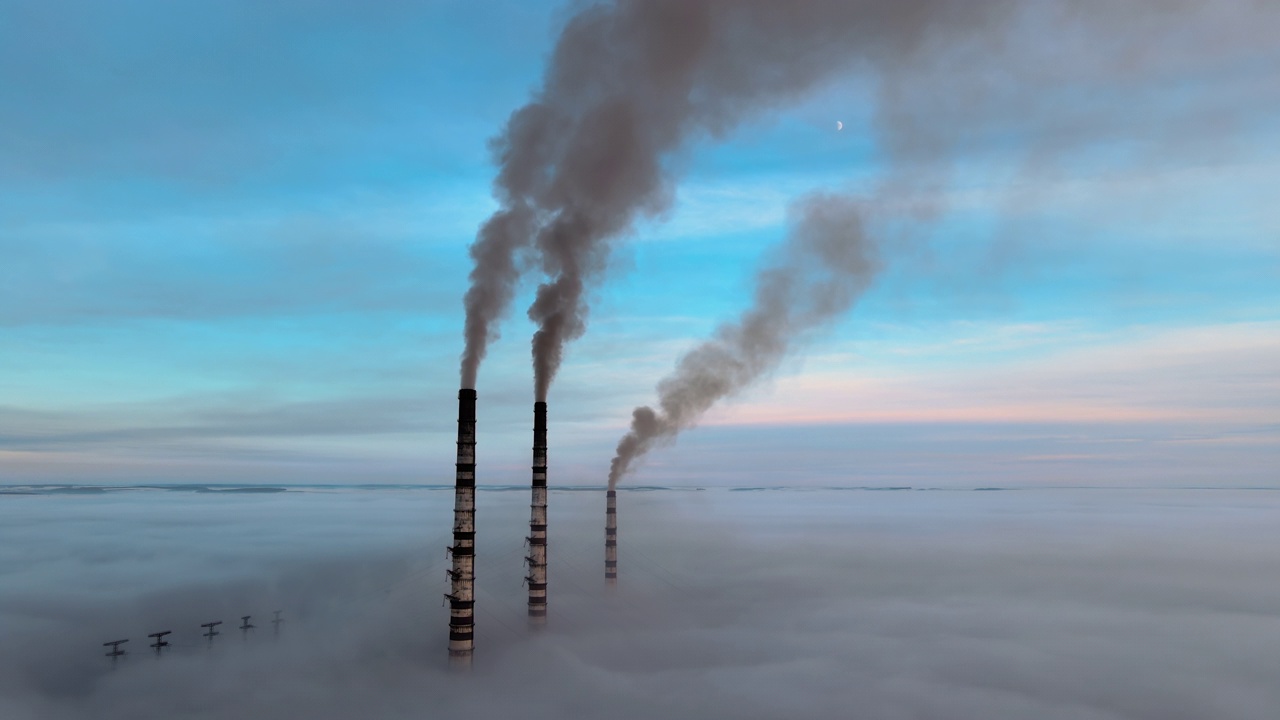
(817, 274)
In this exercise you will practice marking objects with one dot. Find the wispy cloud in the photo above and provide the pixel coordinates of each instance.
(1217, 374)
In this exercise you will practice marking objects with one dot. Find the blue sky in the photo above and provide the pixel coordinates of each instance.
(233, 245)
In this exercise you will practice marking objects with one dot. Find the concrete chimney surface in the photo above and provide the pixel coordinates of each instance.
(611, 537)
(537, 559)
(462, 576)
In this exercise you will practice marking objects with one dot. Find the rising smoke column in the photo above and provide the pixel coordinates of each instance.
(493, 280)
(1044, 79)
(628, 85)
(816, 275)
(631, 84)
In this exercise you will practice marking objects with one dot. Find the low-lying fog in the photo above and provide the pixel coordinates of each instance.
(1048, 604)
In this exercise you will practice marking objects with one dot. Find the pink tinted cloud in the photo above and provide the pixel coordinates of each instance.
(1214, 373)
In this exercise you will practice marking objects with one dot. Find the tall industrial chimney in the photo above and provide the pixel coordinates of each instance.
(611, 538)
(537, 559)
(462, 576)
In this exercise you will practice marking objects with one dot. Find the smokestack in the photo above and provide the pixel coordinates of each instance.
(611, 537)
(537, 559)
(462, 576)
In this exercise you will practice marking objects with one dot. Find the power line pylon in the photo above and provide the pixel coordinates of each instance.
(212, 632)
(160, 642)
(116, 653)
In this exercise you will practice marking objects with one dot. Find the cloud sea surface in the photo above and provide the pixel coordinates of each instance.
(1047, 603)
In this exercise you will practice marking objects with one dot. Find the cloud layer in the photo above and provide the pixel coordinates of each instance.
(1054, 604)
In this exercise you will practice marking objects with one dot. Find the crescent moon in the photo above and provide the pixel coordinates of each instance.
(839, 125)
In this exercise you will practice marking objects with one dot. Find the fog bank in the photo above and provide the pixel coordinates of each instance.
(822, 603)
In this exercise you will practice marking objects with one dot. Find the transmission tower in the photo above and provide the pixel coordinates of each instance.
(212, 631)
(160, 642)
(116, 653)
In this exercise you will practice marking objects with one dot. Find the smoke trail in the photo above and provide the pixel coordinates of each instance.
(826, 262)
(628, 85)
(631, 83)
(493, 282)
(1044, 77)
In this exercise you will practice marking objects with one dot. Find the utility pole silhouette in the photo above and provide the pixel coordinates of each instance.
(275, 623)
(212, 632)
(116, 652)
(245, 627)
(160, 641)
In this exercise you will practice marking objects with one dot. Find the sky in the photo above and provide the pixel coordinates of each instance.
(233, 248)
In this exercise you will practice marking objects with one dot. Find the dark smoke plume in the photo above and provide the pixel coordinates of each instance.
(950, 77)
(826, 262)
(493, 280)
(628, 85)
(631, 83)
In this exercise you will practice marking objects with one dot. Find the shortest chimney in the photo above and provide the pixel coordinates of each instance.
(611, 538)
